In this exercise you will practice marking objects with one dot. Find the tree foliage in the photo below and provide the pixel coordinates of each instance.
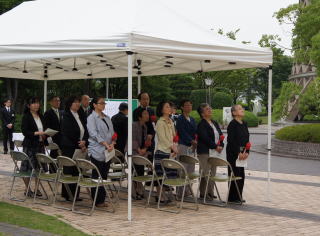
(289, 92)
(310, 100)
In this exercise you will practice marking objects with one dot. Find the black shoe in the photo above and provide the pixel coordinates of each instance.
(137, 197)
(39, 194)
(5, 152)
(243, 201)
(29, 194)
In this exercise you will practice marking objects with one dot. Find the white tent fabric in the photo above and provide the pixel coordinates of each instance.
(84, 39)
(76, 39)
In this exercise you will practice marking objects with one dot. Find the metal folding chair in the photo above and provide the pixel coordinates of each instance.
(117, 176)
(182, 179)
(214, 163)
(42, 175)
(63, 161)
(17, 158)
(84, 165)
(117, 166)
(142, 161)
(53, 147)
(196, 175)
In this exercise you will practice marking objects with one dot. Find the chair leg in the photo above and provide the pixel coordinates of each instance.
(74, 198)
(194, 196)
(206, 191)
(108, 196)
(149, 195)
(182, 197)
(36, 190)
(238, 192)
(160, 194)
(215, 185)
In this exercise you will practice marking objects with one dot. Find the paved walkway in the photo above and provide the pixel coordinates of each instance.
(13, 230)
(294, 209)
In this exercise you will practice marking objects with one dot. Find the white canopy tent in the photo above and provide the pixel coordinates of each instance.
(87, 39)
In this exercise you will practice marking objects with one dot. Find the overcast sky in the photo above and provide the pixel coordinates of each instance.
(253, 17)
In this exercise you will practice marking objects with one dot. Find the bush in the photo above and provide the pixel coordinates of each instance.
(220, 100)
(250, 118)
(17, 126)
(262, 113)
(300, 133)
(311, 118)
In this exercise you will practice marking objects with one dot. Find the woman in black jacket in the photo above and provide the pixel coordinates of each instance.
(238, 137)
(32, 126)
(209, 145)
(74, 136)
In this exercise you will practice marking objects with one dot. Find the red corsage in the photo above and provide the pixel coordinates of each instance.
(176, 138)
(153, 118)
(147, 144)
(114, 136)
(220, 140)
(248, 146)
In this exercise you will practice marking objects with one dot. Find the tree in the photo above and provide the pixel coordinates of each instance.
(289, 92)
(310, 100)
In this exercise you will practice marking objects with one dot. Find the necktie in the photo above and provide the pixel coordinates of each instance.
(9, 109)
(57, 113)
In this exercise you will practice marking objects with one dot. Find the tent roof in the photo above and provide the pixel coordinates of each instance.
(75, 39)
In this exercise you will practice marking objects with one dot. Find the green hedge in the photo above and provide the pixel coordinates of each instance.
(300, 133)
(17, 125)
(220, 100)
(311, 118)
(249, 117)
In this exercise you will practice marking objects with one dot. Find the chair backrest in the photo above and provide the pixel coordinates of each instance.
(174, 165)
(45, 159)
(120, 155)
(18, 143)
(65, 161)
(214, 162)
(85, 166)
(141, 161)
(19, 157)
(53, 147)
(188, 159)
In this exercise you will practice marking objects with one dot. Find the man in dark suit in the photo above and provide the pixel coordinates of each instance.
(85, 110)
(120, 126)
(52, 119)
(8, 118)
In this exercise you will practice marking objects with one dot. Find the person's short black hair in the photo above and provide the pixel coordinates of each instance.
(173, 105)
(159, 108)
(30, 101)
(140, 94)
(140, 111)
(201, 107)
(69, 102)
(95, 100)
(53, 97)
(6, 100)
(123, 106)
(184, 101)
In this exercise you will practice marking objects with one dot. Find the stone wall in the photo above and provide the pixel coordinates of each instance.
(299, 149)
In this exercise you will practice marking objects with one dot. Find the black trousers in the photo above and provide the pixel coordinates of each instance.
(69, 170)
(103, 168)
(239, 172)
(7, 136)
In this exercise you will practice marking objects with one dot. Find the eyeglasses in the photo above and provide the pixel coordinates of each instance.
(101, 103)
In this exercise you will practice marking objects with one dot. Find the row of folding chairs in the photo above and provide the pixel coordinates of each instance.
(84, 180)
(184, 179)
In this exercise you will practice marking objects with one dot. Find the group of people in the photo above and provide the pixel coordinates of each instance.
(156, 135)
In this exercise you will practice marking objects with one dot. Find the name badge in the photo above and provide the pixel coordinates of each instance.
(12, 115)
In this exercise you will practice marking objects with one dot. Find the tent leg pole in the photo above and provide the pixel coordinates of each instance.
(45, 90)
(269, 130)
(139, 84)
(129, 134)
(107, 88)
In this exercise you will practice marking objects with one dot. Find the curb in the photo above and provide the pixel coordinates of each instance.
(284, 155)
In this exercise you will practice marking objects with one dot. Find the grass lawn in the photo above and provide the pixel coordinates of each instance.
(25, 217)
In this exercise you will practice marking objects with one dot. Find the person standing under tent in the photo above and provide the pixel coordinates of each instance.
(52, 120)
(32, 127)
(100, 131)
(144, 100)
(165, 148)
(209, 145)
(84, 110)
(8, 118)
(120, 125)
(186, 129)
(238, 140)
(74, 136)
